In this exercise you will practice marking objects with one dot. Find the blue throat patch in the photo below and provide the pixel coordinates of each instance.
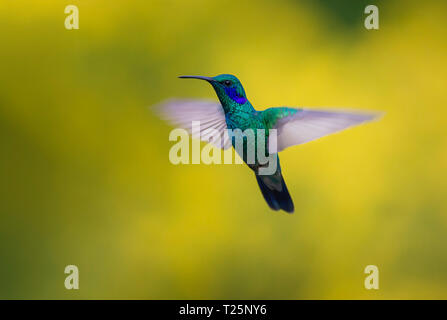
(232, 93)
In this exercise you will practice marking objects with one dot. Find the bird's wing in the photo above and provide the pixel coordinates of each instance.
(298, 126)
(181, 113)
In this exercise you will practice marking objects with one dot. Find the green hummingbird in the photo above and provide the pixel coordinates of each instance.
(293, 126)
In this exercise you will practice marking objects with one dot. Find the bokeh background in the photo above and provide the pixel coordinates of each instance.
(85, 177)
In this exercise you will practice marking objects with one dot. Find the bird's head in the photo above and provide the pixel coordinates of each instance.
(228, 88)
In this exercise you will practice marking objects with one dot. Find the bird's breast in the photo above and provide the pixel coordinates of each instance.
(243, 121)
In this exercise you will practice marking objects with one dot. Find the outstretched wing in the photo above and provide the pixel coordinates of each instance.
(181, 113)
(298, 126)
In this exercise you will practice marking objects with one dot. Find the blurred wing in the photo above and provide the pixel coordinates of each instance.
(181, 113)
(299, 126)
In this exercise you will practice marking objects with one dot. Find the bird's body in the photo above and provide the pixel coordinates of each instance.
(294, 126)
(272, 186)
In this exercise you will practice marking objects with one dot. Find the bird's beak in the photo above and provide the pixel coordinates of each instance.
(209, 79)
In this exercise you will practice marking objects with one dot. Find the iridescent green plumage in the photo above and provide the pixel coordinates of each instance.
(240, 114)
(292, 127)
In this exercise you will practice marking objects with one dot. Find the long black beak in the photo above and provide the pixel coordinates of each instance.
(209, 79)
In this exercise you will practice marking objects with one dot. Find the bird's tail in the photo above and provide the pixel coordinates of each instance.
(275, 191)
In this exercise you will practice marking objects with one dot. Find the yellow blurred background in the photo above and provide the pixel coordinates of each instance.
(85, 177)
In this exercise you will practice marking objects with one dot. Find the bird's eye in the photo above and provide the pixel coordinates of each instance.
(227, 83)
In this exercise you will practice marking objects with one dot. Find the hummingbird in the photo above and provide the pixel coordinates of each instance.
(294, 126)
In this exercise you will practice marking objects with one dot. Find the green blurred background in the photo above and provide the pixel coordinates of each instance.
(85, 177)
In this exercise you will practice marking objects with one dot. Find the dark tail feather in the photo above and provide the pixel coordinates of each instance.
(276, 199)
